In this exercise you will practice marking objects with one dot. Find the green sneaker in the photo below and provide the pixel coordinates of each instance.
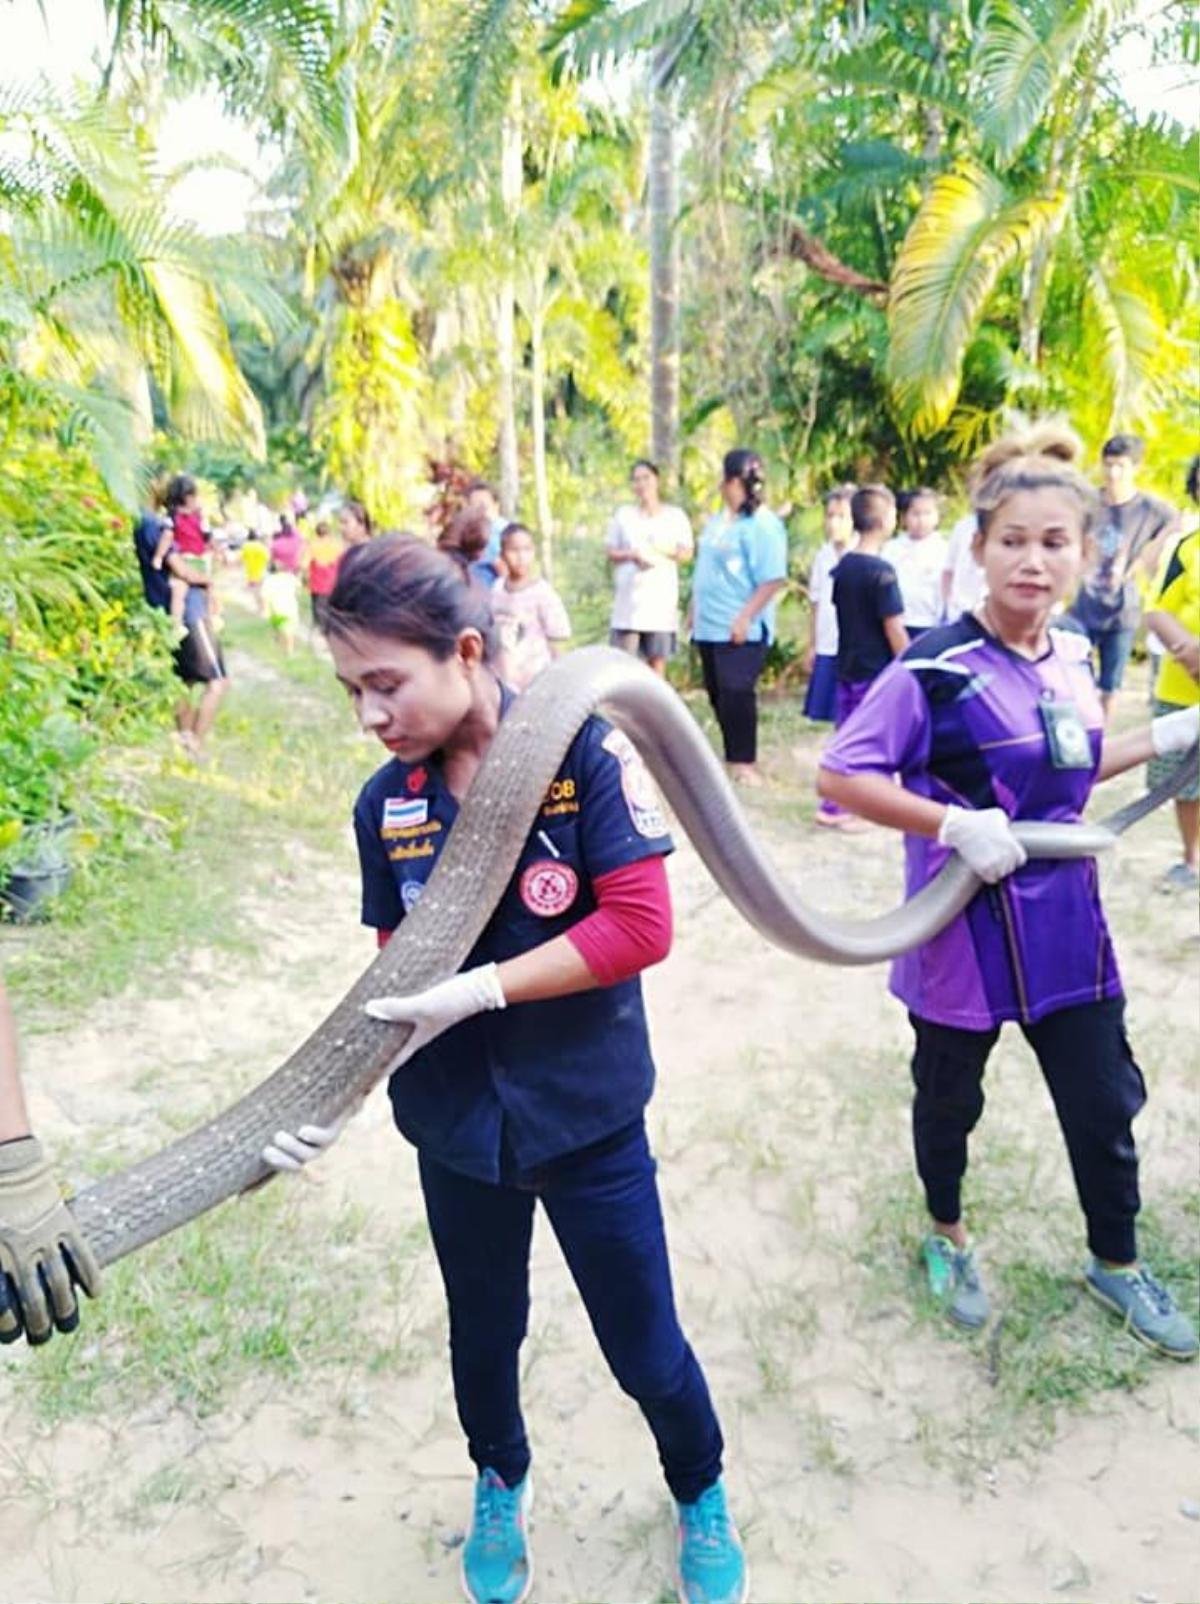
(1146, 1307)
(954, 1281)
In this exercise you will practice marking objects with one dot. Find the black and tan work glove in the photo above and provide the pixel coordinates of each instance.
(44, 1255)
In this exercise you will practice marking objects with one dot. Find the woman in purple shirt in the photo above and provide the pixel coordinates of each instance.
(994, 718)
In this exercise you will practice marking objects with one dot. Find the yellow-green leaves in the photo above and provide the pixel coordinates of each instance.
(967, 231)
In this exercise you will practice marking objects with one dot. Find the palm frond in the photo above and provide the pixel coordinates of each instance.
(1134, 342)
(486, 54)
(1024, 52)
(591, 34)
(210, 396)
(966, 232)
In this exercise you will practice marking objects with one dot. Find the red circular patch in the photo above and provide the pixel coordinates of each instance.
(416, 780)
(549, 888)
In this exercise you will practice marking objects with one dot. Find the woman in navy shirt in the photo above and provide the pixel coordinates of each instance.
(527, 1074)
(992, 718)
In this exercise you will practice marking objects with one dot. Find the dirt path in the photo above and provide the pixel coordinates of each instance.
(870, 1453)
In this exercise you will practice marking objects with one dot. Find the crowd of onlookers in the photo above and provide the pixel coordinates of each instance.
(283, 551)
(884, 574)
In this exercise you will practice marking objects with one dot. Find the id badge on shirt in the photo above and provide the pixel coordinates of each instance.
(1066, 736)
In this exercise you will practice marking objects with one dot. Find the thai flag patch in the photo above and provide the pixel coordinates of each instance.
(402, 812)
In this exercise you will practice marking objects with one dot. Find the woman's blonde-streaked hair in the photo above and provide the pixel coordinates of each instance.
(1043, 457)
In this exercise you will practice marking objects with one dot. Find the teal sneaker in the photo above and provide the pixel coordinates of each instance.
(954, 1281)
(712, 1566)
(1146, 1307)
(497, 1567)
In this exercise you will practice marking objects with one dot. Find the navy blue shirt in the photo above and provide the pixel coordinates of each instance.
(865, 592)
(535, 1080)
(155, 585)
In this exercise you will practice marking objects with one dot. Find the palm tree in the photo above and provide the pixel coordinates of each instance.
(105, 296)
(1033, 199)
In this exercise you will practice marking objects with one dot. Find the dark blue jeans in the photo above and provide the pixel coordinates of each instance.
(603, 1206)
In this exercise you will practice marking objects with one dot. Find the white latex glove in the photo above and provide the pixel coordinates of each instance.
(288, 1152)
(1175, 732)
(984, 840)
(474, 991)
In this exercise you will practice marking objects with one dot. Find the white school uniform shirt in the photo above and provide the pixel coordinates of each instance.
(820, 595)
(647, 599)
(966, 575)
(918, 565)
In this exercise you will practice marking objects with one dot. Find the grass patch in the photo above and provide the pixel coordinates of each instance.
(189, 841)
(257, 1291)
(1048, 1345)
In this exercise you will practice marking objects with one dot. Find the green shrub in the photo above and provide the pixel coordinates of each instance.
(83, 661)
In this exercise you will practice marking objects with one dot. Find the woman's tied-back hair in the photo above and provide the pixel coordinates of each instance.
(748, 467)
(399, 588)
(467, 532)
(1044, 457)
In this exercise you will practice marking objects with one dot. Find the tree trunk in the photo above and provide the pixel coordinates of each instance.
(506, 346)
(538, 422)
(664, 279)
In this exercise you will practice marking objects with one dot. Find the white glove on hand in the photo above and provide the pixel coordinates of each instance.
(984, 840)
(288, 1152)
(1175, 732)
(474, 991)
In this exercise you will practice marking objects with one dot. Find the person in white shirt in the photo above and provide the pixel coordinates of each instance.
(820, 660)
(646, 542)
(918, 554)
(962, 575)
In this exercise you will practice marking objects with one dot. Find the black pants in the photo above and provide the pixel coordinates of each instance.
(1097, 1090)
(730, 676)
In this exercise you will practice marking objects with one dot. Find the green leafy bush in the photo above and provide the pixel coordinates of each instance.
(82, 659)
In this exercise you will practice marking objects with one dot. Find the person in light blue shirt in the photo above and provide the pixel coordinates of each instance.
(741, 566)
(482, 499)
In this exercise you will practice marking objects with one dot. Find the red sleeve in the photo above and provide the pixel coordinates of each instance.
(382, 937)
(631, 927)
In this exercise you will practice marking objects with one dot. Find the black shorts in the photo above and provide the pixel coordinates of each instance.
(320, 610)
(198, 657)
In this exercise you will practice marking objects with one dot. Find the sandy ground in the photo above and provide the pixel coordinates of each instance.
(865, 1460)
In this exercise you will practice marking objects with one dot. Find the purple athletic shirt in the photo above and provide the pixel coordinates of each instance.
(957, 717)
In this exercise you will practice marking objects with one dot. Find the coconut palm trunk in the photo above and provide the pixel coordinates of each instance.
(506, 342)
(662, 192)
(537, 419)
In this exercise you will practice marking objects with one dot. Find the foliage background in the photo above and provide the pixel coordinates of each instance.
(875, 230)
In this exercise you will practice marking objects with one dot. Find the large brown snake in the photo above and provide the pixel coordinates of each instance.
(347, 1054)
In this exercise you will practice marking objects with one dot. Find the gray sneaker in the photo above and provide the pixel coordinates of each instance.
(954, 1281)
(1180, 877)
(1146, 1307)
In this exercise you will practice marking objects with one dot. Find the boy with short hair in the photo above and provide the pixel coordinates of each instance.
(867, 599)
(870, 609)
